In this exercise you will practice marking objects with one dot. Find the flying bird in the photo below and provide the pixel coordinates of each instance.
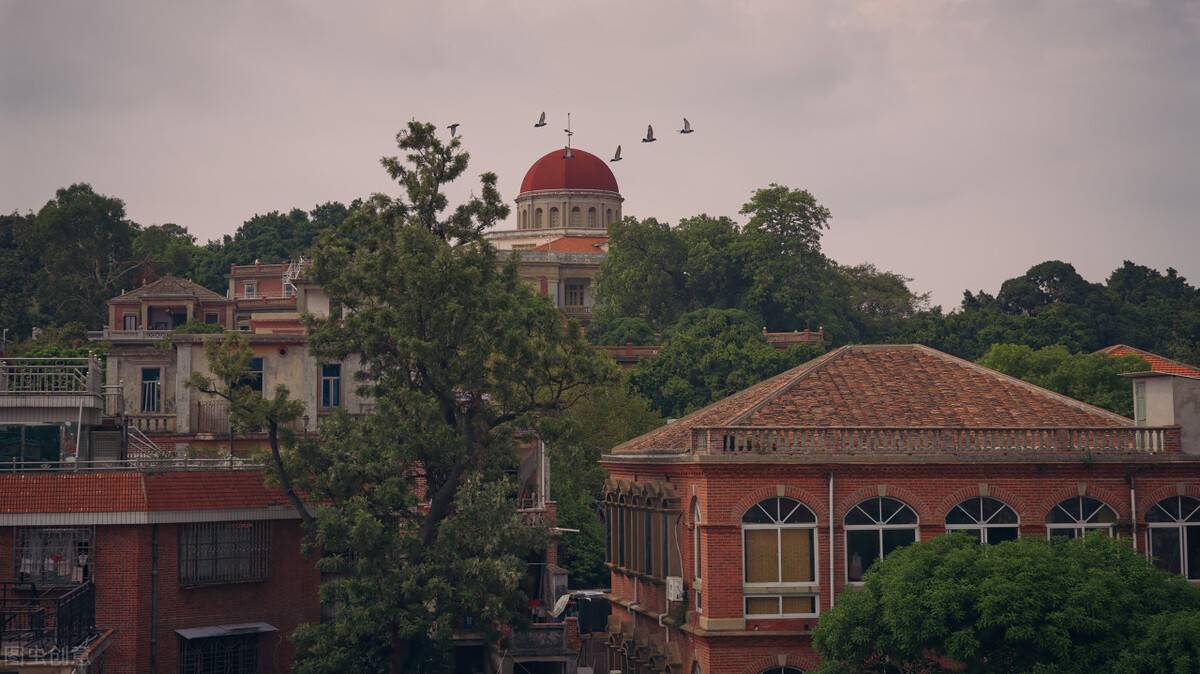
(649, 134)
(453, 129)
(541, 121)
(687, 126)
(617, 156)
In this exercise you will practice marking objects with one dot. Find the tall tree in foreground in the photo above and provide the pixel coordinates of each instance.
(413, 504)
(1090, 606)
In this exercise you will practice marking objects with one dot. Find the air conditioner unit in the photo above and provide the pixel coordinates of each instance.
(674, 588)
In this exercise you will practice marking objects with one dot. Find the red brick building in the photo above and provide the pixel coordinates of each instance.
(721, 523)
(182, 567)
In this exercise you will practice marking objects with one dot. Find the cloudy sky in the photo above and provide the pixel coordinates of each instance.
(958, 143)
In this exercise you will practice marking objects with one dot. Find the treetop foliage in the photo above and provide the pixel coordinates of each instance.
(1091, 377)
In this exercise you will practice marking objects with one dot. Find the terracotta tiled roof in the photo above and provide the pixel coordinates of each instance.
(886, 386)
(1157, 363)
(130, 491)
(171, 287)
(574, 244)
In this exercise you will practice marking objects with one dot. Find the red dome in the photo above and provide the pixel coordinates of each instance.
(583, 171)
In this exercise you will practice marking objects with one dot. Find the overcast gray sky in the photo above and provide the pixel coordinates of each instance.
(958, 143)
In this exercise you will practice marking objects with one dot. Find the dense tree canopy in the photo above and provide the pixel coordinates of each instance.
(1091, 377)
(1089, 606)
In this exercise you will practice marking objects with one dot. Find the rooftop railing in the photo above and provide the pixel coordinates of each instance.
(817, 441)
(127, 335)
(144, 464)
(24, 376)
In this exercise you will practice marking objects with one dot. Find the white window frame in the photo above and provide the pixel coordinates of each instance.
(250, 289)
(1139, 402)
(983, 527)
(697, 569)
(782, 589)
(880, 527)
(1080, 527)
(1180, 524)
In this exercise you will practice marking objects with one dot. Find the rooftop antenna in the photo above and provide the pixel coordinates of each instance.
(567, 154)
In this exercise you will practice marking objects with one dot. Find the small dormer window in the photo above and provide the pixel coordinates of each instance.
(250, 288)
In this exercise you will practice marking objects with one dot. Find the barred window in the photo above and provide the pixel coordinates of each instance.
(212, 553)
(53, 555)
(236, 654)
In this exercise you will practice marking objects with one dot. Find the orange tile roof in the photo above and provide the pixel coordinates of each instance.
(131, 491)
(573, 244)
(1157, 363)
(885, 386)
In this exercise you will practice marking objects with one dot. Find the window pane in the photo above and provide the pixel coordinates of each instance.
(960, 514)
(1164, 547)
(799, 605)
(861, 514)
(762, 605)
(1064, 533)
(862, 548)
(760, 513)
(1166, 510)
(762, 563)
(1001, 534)
(897, 538)
(798, 555)
(1192, 536)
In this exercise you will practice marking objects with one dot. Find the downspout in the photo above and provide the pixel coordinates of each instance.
(154, 597)
(831, 542)
(1132, 512)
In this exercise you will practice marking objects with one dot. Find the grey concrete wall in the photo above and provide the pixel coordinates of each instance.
(1186, 410)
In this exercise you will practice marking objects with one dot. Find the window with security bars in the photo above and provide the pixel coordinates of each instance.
(49, 556)
(236, 654)
(213, 553)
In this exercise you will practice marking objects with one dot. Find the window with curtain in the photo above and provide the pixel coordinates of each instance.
(1077, 516)
(1173, 535)
(779, 560)
(989, 520)
(874, 528)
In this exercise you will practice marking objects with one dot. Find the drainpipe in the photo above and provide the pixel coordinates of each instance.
(1132, 512)
(831, 542)
(154, 597)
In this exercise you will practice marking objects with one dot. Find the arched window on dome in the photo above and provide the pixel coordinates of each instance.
(576, 217)
(1173, 535)
(537, 218)
(608, 217)
(779, 563)
(1076, 516)
(591, 221)
(874, 528)
(554, 217)
(991, 521)
(524, 224)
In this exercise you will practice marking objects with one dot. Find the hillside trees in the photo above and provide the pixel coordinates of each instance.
(1091, 377)
(460, 357)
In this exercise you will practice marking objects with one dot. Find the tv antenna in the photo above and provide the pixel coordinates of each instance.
(567, 154)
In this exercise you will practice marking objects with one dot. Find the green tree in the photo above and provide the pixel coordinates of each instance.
(575, 441)
(1091, 377)
(706, 356)
(714, 267)
(621, 331)
(643, 274)
(1029, 605)
(164, 249)
(880, 301)
(413, 506)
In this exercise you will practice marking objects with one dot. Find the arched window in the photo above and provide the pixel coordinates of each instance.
(991, 521)
(874, 528)
(576, 217)
(696, 668)
(1076, 516)
(696, 567)
(537, 218)
(524, 224)
(780, 559)
(554, 217)
(608, 217)
(592, 217)
(1173, 535)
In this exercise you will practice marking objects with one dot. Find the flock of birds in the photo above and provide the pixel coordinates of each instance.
(567, 154)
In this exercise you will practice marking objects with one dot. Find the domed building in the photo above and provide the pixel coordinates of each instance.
(563, 211)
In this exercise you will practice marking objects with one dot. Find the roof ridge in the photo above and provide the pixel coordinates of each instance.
(805, 369)
(996, 374)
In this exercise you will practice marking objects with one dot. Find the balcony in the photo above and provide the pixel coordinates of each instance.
(108, 335)
(40, 624)
(50, 390)
(583, 311)
(830, 442)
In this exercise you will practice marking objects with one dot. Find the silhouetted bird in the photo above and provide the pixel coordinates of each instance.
(649, 134)
(617, 156)
(453, 129)
(687, 126)
(541, 121)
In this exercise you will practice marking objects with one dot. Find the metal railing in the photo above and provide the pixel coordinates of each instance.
(24, 376)
(36, 621)
(801, 440)
(145, 464)
(131, 335)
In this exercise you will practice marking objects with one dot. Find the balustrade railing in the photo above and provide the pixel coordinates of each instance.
(49, 376)
(813, 440)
